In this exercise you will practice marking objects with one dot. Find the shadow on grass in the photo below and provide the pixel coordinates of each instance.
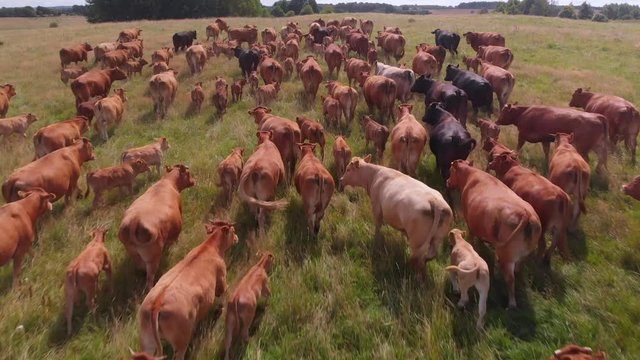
(599, 182)
(148, 118)
(300, 244)
(577, 242)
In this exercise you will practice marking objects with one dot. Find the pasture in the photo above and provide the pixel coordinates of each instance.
(341, 295)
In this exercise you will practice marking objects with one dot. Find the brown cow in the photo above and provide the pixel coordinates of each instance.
(159, 67)
(632, 188)
(468, 269)
(623, 117)
(237, 90)
(260, 177)
(349, 21)
(494, 149)
(134, 67)
(333, 56)
(154, 220)
(127, 35)
(269, 34)
(83, 274)
(341, 157)
(221, 24)
(270, 70)
(289, 65)
(108, 111)
(197, 56)
(87, 108)
(163, 88)
(94, 83)
(331, 110)
(501, 80)
(103, 48)
(496, 55)
(354, 69)
(220, 97)
(213, 31)
(311, 76)
(163, 55)
(550, 202)
(379, 91)
(58, 135)
(17, 124)
(242, 305)
(18, 224)
(71, 73)
(119, 176)
(285, 134)
(197, 96)
(267, 94)
(358, 42)
(74, 54)
(477, 39)
(391, 30)
(376, 133)
(135, 48)
(539, 123)
(488, 129)
(372, 54)
(244, 34)
(115, 58)
(571, 173)
(229, 171)
(57, 172)
(438, 52)
(312, 131)
(315, 185)
(346, 96)
(498, 216)
(366, 26)
(152, 154)
(575, 352)
(391, 44)
(292, 49)
(7, 91)
(254, 82)
(186, 293)
(408, 139)
(424, 63)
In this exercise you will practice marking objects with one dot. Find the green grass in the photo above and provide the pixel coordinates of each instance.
(341, 295)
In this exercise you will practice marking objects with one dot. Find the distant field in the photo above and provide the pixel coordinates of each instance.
(339, 296)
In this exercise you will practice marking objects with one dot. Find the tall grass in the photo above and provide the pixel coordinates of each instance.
(341, 295)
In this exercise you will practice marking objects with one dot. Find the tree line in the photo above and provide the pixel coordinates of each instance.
(583, 11)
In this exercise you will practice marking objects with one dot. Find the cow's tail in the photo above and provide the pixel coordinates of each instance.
(437, 218)
(526, 226)
(454, 268)
(150, 331)
(242, 194)
(404, 164)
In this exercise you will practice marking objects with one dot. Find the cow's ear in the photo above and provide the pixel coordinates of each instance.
(463, 233)
(267, 110)
(167, 168)
(470, 163)
(579, 91)
(367, 158)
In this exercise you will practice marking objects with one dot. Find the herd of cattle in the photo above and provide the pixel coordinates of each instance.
(512, 211)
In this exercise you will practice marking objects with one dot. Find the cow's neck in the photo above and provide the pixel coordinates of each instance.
(31, 205)
(369, 172)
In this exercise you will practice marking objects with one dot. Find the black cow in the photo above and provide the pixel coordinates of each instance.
(247, 59)
(453, 99)
(448, 139)
(478, 89)
(448, 40)
(319, 35)
(183, 39)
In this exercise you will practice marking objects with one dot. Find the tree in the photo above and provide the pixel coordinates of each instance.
(599, 17)
(540, 8)
(327, 9)
(277, 11)
(306, 10)
(567, 12)
(585, 11)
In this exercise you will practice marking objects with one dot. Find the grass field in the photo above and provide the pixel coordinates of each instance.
(340, 295)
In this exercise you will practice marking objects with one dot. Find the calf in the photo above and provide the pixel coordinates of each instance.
(501, 80)
(375, 133)
(477, 88)
(163, 88)
(289, 65)
(477, 39)
(392, 45)
(315, 185)
(346, 96)
(266, 94)
(254, 82)
(74, 54)
(17, 124)
(550, 202)
(571, 173)
(197, 96)
(94, 83)
(498, 216)
(539, 124)
(56, 173)
(260, 177)
(488, 129)
(268, 34)
(447, 39)
(448, 139)
(162, 55)
(186, 293)
(7, 91)
(632, 188)
(311, 76)
(18, 225)
(59, 135)
(379, 91)
(71, 73)
(152, 154)
(450, 97)
(404, 79)
(623, 117)
(408, 139)
(405, 204)
(197, 56)
(355, 68)
(331, 110)
(119, 176)
(108, 111)
(341, 157)
(243, 303)
(468, 269)
(366, 26)
(312, 131)
(237, 89)
(213, 31)
(83, 274)
(372, 54)
(154, 220)
(575, 352)
(438, 52)
(229, 171)
(220, 97)
(494, 149)
(424, 63)
(270, 70)
(496, 55)
(183, 40)
(292, 49)
(333, 56)
(134, 67)
(87, 108)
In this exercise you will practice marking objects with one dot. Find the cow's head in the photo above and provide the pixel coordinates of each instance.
(632, 188)
(164, 143)
(185, 179)
(139, 166)
(224, 231)
(455, 173)
(31, 118)
(502, 163)
(455, 235)
(121, 94)
(470, 36)
(489, 144)
(99, 233)
(306, 148)
(434, 114)
(142, 63)
(423, 84)
(86, 149)
(9, 90)
(580, 98)
(471, 63)
(508, 115)
(436, 32)
(117, 74)
(264, 136)
(87, 47)
(364, 75)
(259, 113)
(239, 151)
(353, 173)
(266, 260)
(489, 128)
(575, 352)
(562, 139)
(404, 109)
(44, 199)
(452, 71)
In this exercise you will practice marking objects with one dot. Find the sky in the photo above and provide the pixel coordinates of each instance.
(11, 3)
